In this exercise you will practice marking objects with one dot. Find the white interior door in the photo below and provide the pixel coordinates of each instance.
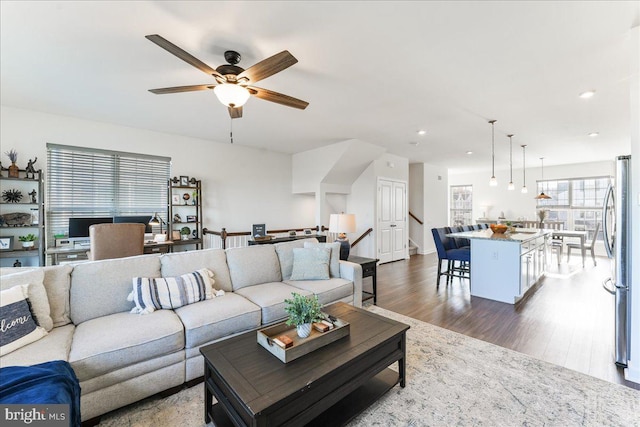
(392, 206)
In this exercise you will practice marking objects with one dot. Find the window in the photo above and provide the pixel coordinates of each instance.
(87, 182)
(461, 202)
(576, 202)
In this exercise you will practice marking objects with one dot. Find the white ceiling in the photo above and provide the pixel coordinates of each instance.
(376, 71)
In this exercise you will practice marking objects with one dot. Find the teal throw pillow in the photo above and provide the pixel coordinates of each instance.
(310, 264)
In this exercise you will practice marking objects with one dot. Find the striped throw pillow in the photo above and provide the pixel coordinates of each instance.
(150, 294)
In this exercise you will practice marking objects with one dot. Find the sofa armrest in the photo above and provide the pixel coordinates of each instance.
(352, 271)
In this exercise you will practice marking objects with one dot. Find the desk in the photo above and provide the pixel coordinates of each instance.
(80, 253)
(321, 238)
(369, 267)
(574, 233)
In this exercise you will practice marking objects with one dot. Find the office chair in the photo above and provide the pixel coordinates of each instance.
(116, 240)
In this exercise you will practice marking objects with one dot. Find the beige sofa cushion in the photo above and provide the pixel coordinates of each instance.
(37, 293)
(100, 288)
(270, 297)
(112, 342)
(327, 290)
(54, 346)
(57, 282)
(218, 317)
(253, 265)
(180, 263)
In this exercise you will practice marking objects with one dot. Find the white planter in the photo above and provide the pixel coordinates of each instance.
(304, 330)
(28, 244)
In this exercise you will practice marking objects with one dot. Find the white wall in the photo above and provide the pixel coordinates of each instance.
(436, 207)
(513, 203)
(416, 204)
(241, 185)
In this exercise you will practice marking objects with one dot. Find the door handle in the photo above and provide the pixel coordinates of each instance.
(392, 225)
(607, 288)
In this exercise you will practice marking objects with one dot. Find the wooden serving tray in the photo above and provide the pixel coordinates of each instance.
(301, 346)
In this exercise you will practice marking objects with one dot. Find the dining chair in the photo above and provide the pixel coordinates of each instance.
(115, 240)
(590, 246)
(448, 250)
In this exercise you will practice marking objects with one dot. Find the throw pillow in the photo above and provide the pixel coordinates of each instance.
(18, 326)
(334, 263)
(310, 264)
(37, 293)
(150, 294)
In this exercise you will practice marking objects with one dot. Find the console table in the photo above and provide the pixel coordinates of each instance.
(369, 267)
(321, 238)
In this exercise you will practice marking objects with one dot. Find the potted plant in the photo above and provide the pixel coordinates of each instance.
(14, 171)
(184, 231)
(28, 241)
(303, 311)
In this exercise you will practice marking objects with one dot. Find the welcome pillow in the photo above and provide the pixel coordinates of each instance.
(150, 294)
(18, 326)
(37, 293)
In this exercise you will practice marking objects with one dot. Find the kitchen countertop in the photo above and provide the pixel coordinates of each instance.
(519, 236)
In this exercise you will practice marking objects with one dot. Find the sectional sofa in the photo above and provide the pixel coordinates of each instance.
(121, 357)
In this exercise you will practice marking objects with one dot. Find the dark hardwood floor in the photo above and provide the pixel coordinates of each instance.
(567, 319)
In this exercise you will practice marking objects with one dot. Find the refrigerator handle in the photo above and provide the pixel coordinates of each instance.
(605, 225)
(611, 290)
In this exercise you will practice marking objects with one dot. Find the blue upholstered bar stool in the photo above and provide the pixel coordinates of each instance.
(448, 250)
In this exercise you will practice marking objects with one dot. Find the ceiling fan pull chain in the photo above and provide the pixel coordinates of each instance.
(231, 130)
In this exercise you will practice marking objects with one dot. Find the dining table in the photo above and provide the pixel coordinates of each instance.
(581, 234)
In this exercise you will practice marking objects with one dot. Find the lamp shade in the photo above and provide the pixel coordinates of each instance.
(231, 95)
(342, 223)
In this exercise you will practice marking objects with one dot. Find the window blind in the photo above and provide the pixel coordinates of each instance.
(87, 182)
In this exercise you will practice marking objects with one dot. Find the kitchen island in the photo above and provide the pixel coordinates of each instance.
(505, 266)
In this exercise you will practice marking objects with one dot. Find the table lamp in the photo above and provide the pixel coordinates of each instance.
(342, 224)
(157, 220)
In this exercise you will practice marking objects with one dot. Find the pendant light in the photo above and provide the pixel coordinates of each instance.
(524, 177)
(542, 196)
(493, 182)
(510, 186)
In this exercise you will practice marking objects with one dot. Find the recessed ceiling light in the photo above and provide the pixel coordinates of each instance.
(588, 94)
(593, 134)
(422, 132)
(414, 143)
(469, 152)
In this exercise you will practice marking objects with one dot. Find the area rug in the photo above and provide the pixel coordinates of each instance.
(452, 379)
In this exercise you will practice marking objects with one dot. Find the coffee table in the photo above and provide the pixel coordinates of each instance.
(328, 386)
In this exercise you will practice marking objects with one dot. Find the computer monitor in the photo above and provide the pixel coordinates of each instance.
(136, 219)
(79, 227)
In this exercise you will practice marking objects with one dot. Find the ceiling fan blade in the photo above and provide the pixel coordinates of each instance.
(235, 113)
(177, 89)
(279, 98)
(182, 54)
(268, 67)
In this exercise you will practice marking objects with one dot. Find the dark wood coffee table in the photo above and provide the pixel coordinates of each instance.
(328, 386)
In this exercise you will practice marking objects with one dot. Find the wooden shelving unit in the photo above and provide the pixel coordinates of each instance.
(184, 212)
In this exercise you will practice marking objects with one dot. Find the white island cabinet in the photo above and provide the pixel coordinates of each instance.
(505, 266)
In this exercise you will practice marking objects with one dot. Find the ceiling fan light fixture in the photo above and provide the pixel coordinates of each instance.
(231, 94)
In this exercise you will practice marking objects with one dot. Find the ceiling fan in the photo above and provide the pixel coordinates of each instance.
(233, 84)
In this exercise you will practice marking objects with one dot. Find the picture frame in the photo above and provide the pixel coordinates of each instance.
(6, 243)
(192, 218)
(259, 230)
(35, 216)
(175, 199)
(184, 181)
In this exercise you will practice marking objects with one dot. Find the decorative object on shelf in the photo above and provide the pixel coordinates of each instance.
(524, 177)
(184, 180)
(192, 218)
(194, 197)
(28, 241)
(6, 243)
(157, 220)
(30, 170)
(174, 180)
(342, 224)
(194, 233)
(35, 213)
(511, 186)
(186, 198)
(542, 196)
(14, 170)
(185, 231)
(175, 199)
(12, 196)
(303, 311)
(175, 235)
(258, 230)
(2, 168)
(292, 233)
(15, 219)
(177, 218)
(193, 181)
(493, 181)
(33, 195)
(17, 263)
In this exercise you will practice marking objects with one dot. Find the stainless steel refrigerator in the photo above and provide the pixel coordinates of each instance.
(616, 219)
